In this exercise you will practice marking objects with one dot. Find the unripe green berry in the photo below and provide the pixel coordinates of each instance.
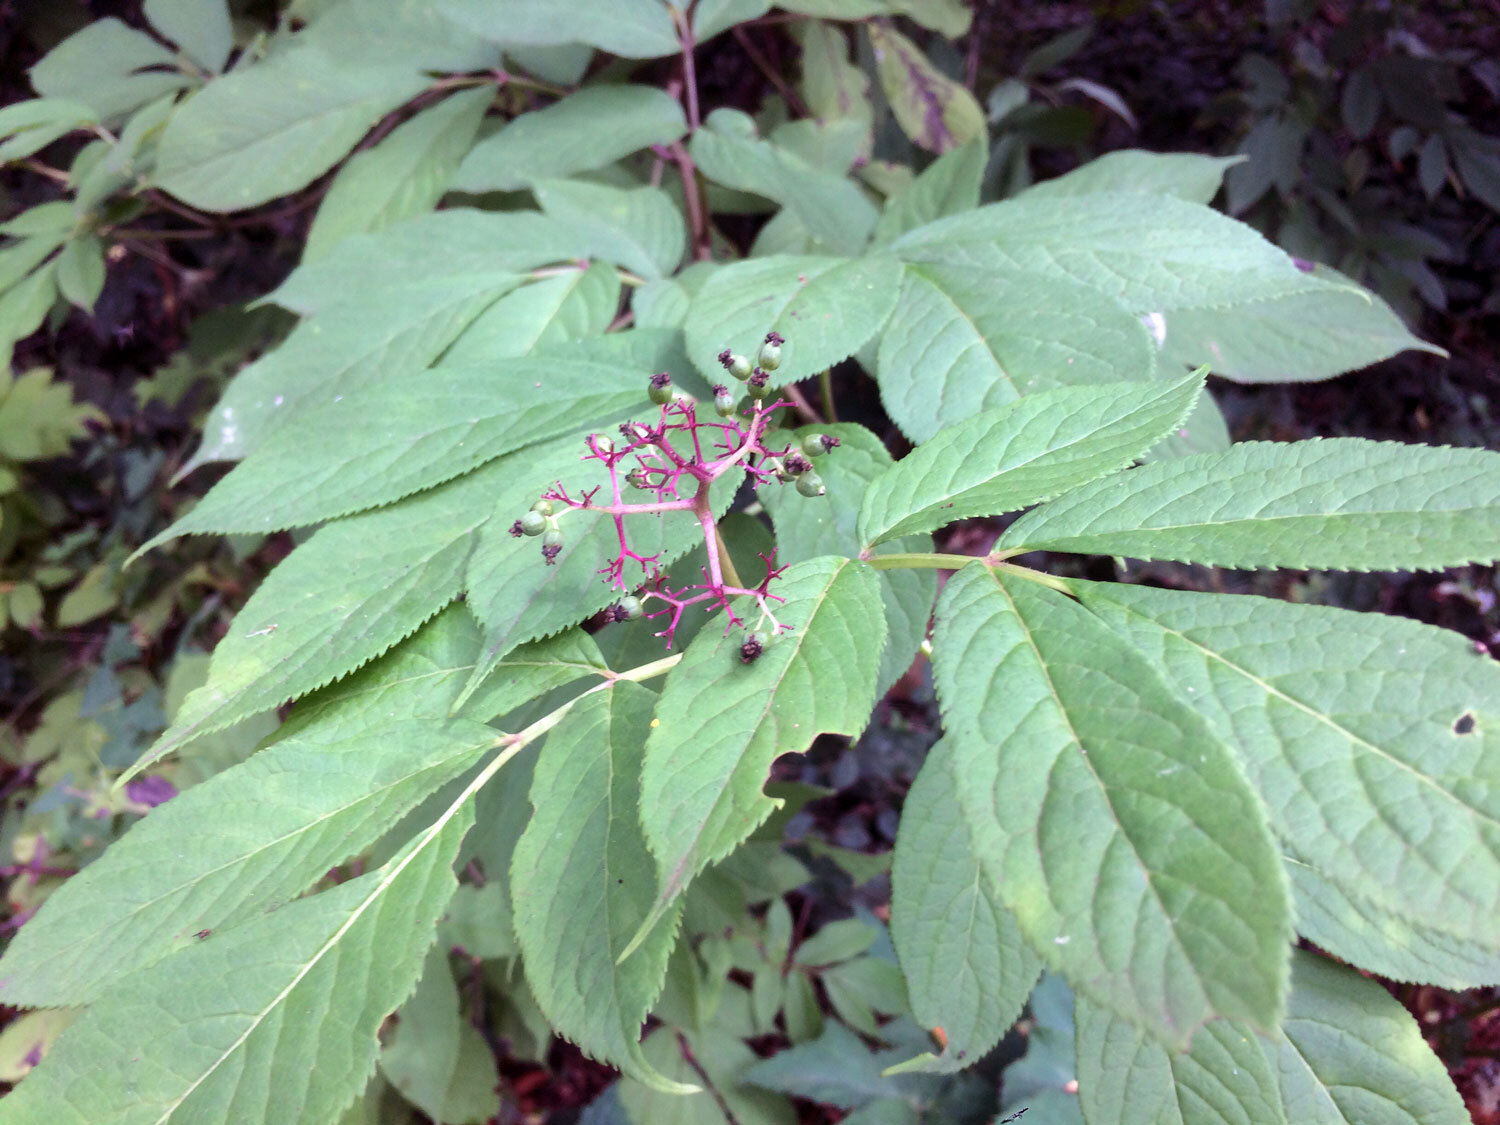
(637, 478)
(813, 445)
(810, 484)
(724, 402)
(533, 523)
(758, 385)
(544, 506)
(553, 538)
(631, 608)
(770, 351)
(660, 390)
(736, 365)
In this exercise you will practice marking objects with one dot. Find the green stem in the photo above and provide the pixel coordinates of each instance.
(825, 387)
(726, 564)
(1040, 577)
(921, 560)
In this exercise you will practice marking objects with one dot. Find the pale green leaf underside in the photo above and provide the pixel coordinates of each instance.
(633, 29)
(350, 592)
(807, 527)
(968, 969)
(1335, 503)
(261, 833)
(583, 882)
(1224, 1079)
(589, 129)
(722, 723)
(826, 308)
(1187, 175)
(401, 433)
(269, 129)
(965, 339)
(1348, 725)
(1017, 455)
(1368, 936)
(1352, 1055)
(272, 1020)
(1125, 840)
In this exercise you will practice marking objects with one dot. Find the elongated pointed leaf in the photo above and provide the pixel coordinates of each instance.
(269, 129)
(399, 329)
(1339, 503)
(1224, 1079)
(1371, 937)
(262, 832)
(807, 527)
(274, 1020)
(830, 207)
(399, 434)
(948, 186)
(1007, 459)
(932, 109)
(640, 229)
(589, 129)
(583, 881)
(349, 593)
(826, 308)
(1351, 1055)
(403, 175)
(571, 306)
(633, 29)
(1130, 848)
(721, 723)
(1188, 175)
(963, 340)
(1374, 741)
(968, 969)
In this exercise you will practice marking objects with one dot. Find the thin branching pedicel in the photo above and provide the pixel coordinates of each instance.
(674, 462)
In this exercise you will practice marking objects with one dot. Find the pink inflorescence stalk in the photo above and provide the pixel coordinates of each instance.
(674, 462)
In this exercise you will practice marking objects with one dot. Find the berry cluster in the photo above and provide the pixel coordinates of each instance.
(674, 462)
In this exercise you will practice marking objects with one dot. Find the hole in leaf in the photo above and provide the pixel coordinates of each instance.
(1464, 723)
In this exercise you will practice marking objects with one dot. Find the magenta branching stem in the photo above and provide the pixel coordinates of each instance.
(646, 460)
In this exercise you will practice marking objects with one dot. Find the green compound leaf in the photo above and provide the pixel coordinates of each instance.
(1302, 337)
(350, 592)
(272, 128)
(807, 527)
(404, 175)
(396, 435)
(1336, 503)
(395, 330)
(1374, 741)
(583, 881)
(632, 29)
(1224, 1079)
(968, 969)
(274, 1019)
(826, 308)
(445, 246)
(948, 186)
(640, 229)
(830, 207)
(1187, 175)
(1350, 1054)
(1031, 450)
(262, 832)
(594, 127)
(1370, 937)
(720, 723)
(964, 340)
(1151, 253)
(1131, 850)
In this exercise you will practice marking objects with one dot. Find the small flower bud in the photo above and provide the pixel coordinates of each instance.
(532, 523)
(736, 365)
(660, 390)
(753, 646)
(815, 445)
(810, 484)
(757, 384)
(544, 506)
